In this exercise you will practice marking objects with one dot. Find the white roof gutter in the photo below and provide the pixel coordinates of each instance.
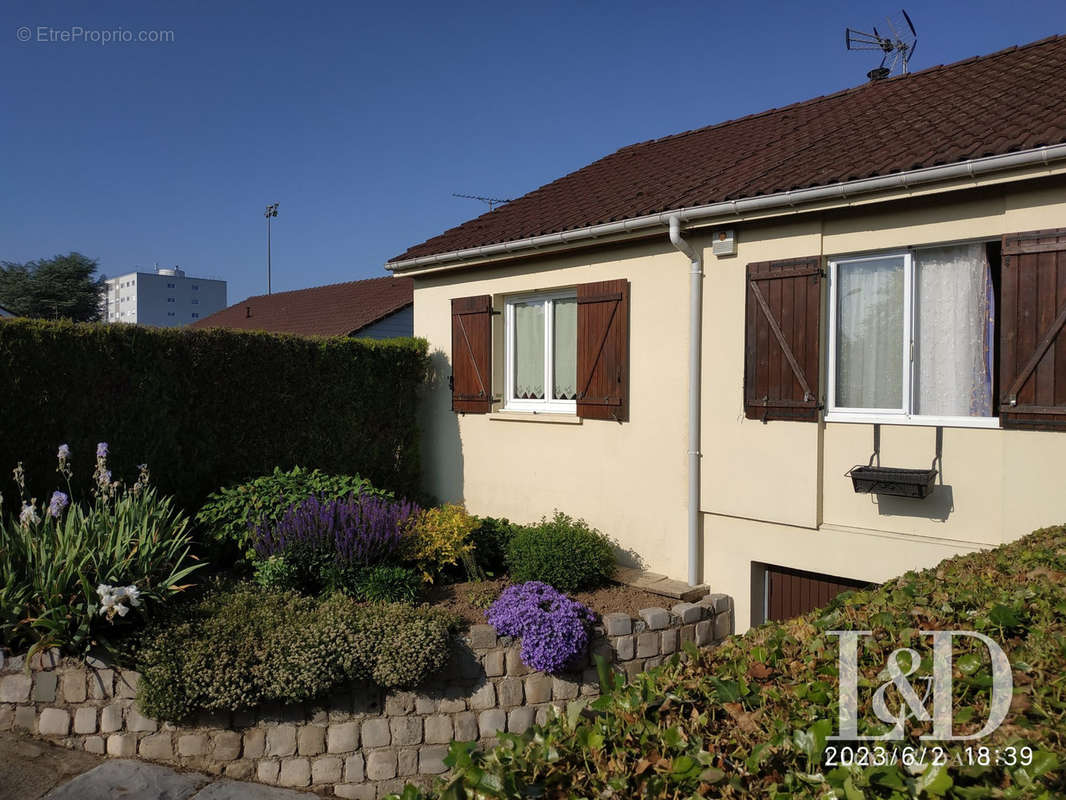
(731, 208)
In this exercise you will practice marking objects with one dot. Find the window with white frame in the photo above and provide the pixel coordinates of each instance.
(541, 352)
(912, 337)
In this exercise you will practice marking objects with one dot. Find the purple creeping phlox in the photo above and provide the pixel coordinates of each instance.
(554, 628)
(359, 530)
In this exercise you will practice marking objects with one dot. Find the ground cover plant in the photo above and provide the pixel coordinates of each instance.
(554, 629)
(750, 718)
(241, 646)
(74, 574)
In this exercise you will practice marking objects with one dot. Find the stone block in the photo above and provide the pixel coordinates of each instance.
(399, 703)
(101, 684)
(239, 770)
(426, 704)
(465, 726)
(381, 765)
(718, 602)
(494, 663)
(15, 688)
(44, 687)
(617, 624)
(267, 771)
(723, 626)
(226, 746)
(72, 686)
(355, 791)
(704, 633)
(515, 667)
(538, 689)
(510, 692)
(123, 745)
(431, 760)
(192, 745)
(327, 769)
(126, 683)
(407, 762)
(254, 743)
(47, 659)
(483, 697)
(111, 718)
(343, 737)
(95, 745)
(652, 663)
(648, 644)
(406, 730)
(520, 719)
(367, 700)
(491, 722)
(354, 769)
(687, 634)
(633, 668)
(482, 637)
(687, 612)
(295, 772)
(54, 722)
(668, 643)
(376, 732)
(7, 717)
(438, 729)
(25, 719)
(157, 747)
(137, 722)
(624, 647)
(453, 701)
(281, 741)
(655, 618)
(565, 687)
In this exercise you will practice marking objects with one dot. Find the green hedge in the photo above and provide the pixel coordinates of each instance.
(751, 718)
(207, 408)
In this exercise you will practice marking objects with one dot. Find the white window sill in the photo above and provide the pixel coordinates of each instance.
(926, 422)
(535, 416)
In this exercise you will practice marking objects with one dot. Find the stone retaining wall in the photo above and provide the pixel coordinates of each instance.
(360, 743)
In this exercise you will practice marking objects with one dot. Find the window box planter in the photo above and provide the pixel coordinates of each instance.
(917, 483)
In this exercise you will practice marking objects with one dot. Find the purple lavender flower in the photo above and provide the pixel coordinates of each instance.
(554, 628)
(64, 453)
(355, 530)
(57, 504)
(101, 450)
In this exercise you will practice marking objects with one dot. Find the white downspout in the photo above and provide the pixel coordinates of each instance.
(695, 334)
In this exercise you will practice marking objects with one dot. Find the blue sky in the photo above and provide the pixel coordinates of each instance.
(362, 119)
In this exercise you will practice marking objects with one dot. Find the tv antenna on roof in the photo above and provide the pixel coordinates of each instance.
(897, 45)
(492, 202)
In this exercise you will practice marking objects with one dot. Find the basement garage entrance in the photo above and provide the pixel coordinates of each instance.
(792, 592)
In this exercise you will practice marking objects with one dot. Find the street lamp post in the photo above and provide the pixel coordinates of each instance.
(271, 211)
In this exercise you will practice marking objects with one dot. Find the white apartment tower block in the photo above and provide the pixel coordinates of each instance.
(166, 298)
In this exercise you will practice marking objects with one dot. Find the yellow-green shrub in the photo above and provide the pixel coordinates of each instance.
(441, 538)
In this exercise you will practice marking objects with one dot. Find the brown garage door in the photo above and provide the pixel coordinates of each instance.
(792, 592)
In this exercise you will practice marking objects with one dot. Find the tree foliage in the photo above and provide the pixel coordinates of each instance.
(63, 287)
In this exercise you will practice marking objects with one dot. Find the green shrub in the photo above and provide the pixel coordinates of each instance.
(490, 540)
(242, 646)
(388, 584)
(231, 514)
(750, 718)
(440, 539)
(562, 552)
(211, 408)
(60, 560)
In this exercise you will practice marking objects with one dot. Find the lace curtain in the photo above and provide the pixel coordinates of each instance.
(564, 351)
(954, 330)
(869, 360)
(529, 351)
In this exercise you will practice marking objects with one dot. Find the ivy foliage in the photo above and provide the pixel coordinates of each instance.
(209, 408)
(750, 719)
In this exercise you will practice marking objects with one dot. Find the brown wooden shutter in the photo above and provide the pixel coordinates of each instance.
(781, 337)
(472, 354)
(1032, 333)
(603, 350)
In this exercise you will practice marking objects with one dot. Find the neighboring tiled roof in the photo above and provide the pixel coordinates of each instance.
(336, 310)
(1011, 100)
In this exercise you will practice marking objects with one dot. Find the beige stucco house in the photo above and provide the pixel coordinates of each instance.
(691, 341)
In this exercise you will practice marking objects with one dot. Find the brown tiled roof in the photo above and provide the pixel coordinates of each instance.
(335, 310)
(1011, 100)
